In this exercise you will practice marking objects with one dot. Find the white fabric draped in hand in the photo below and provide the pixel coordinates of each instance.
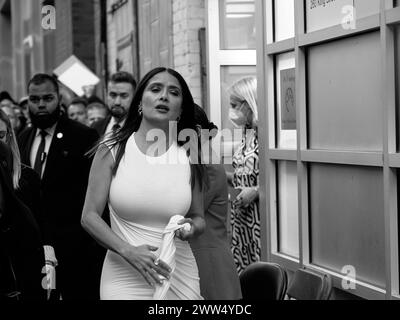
(184, 283)
(167, 253)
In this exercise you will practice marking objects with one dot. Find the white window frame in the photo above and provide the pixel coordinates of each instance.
(388, 160)
(217, 58)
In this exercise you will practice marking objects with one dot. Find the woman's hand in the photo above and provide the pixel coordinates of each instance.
(246, 197)
(183, 233)
(146, 263)
(197, 226)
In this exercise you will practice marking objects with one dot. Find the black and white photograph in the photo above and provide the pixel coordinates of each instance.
(206, 155)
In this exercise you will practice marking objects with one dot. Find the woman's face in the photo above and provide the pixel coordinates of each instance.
(242, 114)
(162, 99)
(3, 131)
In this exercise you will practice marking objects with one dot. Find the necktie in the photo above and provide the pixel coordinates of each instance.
(40, 155)
(115, 128)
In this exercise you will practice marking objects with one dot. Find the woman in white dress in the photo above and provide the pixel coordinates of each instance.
(152, 192)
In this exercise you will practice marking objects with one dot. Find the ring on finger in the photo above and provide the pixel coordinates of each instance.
(157, 261)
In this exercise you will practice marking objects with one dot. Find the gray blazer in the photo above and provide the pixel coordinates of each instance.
(218, 276)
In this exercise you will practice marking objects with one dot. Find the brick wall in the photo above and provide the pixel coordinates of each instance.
(188, 18)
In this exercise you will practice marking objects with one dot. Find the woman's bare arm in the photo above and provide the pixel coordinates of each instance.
(141, 258)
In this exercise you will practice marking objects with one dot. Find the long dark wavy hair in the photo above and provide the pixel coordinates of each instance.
(187, 121)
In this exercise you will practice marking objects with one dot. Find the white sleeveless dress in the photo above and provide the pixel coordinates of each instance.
(144, 195)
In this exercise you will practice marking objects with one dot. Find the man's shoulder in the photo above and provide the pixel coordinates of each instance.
(25, 132)
(77, 133)
(76, 127)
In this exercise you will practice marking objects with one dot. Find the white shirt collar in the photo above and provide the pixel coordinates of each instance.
(113, 121)
(50, 131)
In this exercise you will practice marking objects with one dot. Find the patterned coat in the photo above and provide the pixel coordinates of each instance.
(245, 222)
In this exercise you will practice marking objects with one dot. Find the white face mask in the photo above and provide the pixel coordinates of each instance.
(237, 117)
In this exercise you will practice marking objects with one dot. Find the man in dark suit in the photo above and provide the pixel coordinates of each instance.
(21, 251)
(55, 148)
(120, 92)
(121, 89)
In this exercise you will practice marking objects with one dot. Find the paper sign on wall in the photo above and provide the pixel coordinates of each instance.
(288, 99)
(325, 13)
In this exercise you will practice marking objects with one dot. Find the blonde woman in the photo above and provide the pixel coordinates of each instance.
(21, 253)
(26, 184)
(245, 215)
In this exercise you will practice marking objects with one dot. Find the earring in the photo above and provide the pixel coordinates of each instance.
(178, 119)
(140, 110)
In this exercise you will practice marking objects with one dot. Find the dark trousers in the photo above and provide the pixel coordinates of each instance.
(79, 270)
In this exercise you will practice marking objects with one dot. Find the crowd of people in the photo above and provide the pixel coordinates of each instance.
(90, 210)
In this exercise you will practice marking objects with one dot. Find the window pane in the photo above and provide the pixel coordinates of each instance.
(238, 24)
(347, 220)
(288, 218)
(320, 14)
(365, 8)
(398, 215)
(344, 95)
(286, 101)
(324, 14)
(284, 19)
(397, 84)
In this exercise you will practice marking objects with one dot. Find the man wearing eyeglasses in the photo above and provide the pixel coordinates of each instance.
(55, 148)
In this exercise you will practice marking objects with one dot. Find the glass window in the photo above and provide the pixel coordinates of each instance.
(284, 19)
(397, 83)
(286, 101)
(344, 95)
(347, 220)
(288, 216)
(324, 14)
(365, 8)
(237, 24)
